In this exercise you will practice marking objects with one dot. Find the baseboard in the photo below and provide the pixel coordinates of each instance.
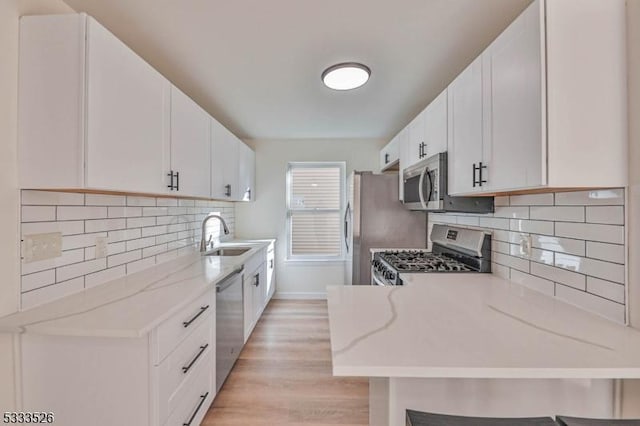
(299, 295)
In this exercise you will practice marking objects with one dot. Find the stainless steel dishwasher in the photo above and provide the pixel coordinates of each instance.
(229, 325)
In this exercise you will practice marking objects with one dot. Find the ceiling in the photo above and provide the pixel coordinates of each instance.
(255, 65)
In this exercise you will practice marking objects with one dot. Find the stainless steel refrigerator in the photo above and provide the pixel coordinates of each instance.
(375, 218)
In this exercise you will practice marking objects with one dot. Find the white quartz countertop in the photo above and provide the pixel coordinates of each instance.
(133, 305)
(472, 326)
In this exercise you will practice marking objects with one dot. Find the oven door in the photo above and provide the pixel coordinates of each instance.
(377, 278)
(421, 187)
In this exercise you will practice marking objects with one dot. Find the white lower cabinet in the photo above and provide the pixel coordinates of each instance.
(165, 377)
(258, 287)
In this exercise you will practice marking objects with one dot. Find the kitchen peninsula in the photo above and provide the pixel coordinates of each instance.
(477, 345)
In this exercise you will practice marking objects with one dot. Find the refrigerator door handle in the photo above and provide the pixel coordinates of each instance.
(421, 188)
(346, 226)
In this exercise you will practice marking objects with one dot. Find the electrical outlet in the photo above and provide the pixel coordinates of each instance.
(525, 245)
(41, 246)
(101, 247)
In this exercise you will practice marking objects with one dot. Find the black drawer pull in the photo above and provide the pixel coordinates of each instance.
(188, 323)
(203, 398)
(193, 361)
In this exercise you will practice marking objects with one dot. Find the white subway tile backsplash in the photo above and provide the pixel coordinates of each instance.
(37, 280)
(495, 223)
(469, 220)
(541, 256)
(102, 277)
(140, 201)
(512, 212)
(607, 289)
(501, 201)
(140, 231)
(531, 200)
(105, 200)
(121, 211)
(122, 258)
(560, 275)
(533, 282)
(612, 310)
(127, 234)
(557, 244)
(52, 292)
(602, 197)
(500, 270)
(65, 273)
(565, 213)
(101, 225)
(595, 268)
(603, 251)
(591, 232)
(139, 265)
(38, 213)
(139, 222)
(532, 226)
(68, 257)
(81, 212)
(613, 215)
(511, 261)
(80, 241)
(50, 198)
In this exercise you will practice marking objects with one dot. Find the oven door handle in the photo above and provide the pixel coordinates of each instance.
(421, 188)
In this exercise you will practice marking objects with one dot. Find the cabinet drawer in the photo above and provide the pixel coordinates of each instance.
(185, 361)
(174, 330)
(195, 395)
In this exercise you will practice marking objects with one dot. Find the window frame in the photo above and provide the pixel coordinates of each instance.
(341, 165)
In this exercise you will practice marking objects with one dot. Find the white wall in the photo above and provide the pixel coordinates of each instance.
(266, 217)
(10, 10)
(631, 389)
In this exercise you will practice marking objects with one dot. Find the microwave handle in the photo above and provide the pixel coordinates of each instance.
(421, 188)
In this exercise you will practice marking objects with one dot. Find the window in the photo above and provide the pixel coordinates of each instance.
(315, 202)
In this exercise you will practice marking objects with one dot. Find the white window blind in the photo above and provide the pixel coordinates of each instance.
(315, 201)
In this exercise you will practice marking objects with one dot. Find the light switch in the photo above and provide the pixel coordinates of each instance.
(41, 246)
(525, 245)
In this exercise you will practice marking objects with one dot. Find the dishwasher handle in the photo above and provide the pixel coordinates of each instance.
(228, 281)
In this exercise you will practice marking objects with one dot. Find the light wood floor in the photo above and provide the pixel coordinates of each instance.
(283, 375)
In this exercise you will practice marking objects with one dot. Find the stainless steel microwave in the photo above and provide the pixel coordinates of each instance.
(425, 188)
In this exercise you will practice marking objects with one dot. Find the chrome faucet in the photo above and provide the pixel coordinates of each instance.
(204, 243)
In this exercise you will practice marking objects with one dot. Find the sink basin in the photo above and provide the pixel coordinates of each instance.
(235, 251)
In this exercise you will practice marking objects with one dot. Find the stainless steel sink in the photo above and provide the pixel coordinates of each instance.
(231, 251)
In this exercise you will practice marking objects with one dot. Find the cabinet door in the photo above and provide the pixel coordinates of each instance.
(465, 128)
(224, 163)
(259, 283)
(512, 73)
(271, 269)
(403, 153)
(126, 116)
(247, 299)
(416, 151)
(436, 125)
(246, 173)
(389, 155)
(189, 146)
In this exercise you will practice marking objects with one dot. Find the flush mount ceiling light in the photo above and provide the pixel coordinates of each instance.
(346, 76)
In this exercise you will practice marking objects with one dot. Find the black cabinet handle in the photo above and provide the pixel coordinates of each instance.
(188, 323)
(227, 190)
(386, 158)
(475, 182)
(257, 282)
(171, 175)
(420, 151)
(481, 166)
(177, 181)
(193, 361)
(271, 263)
(175, 175)
(203, 398)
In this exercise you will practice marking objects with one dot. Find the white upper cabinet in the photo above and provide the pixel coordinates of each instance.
(390, 155)
(225, 155)
(403, 154)
(416, 146)
(190, 147)
(435, 125)
(465, 148)
(246, 173)
(553, 103)
(88, 106)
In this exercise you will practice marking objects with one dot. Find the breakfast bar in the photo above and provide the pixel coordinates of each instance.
(477, 345)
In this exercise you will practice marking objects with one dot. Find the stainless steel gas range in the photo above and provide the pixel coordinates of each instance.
(454, 249)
